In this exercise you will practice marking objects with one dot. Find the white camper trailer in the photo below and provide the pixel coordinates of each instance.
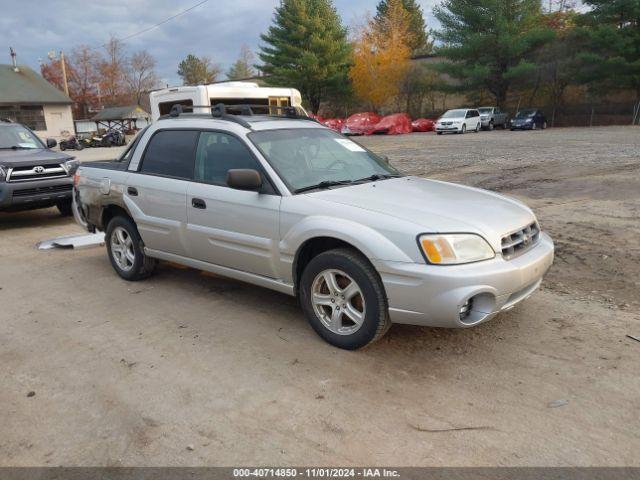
(229, 93)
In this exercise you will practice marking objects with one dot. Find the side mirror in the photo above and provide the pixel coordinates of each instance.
(51, 142)
(244, 179)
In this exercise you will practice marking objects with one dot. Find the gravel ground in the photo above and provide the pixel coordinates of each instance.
(192, 369)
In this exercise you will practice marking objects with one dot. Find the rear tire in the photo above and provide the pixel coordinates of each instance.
(343, 299)
(126, 250)
(63, 146)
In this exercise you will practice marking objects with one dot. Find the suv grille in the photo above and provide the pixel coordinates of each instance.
(28, 192)
(520, 241)
(35, 172)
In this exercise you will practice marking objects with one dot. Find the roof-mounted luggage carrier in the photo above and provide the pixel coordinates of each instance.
(233, 113)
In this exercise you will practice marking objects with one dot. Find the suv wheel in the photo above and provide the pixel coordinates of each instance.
(344, 300)
(65, 208)
(491, 126)
(124, 247)
(464, 128)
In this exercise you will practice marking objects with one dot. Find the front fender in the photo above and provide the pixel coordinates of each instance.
(370, 242)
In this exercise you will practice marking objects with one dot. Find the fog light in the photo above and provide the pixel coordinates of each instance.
(465, 310)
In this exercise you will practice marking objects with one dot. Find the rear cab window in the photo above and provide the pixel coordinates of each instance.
(170, 153)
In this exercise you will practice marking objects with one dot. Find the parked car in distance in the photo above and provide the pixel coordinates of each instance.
(460, 120)
(291, 205)
(31, 174)
(529, 119)
(492, 117)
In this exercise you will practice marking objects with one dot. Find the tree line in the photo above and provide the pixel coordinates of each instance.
(97, 78)
(487, 49)
(490, 51)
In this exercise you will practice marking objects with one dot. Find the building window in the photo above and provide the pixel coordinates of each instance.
(30, 115)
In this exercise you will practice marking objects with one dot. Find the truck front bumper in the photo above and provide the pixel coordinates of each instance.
(435, 296)
(34, 194)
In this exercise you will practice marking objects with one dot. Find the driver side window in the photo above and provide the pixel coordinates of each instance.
(217, 153)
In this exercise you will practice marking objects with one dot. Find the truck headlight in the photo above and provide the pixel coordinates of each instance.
(454, 248)
(3, 173)
(71, 166)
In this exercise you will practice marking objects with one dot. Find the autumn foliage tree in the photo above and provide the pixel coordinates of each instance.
(381, 55)
(103, 77)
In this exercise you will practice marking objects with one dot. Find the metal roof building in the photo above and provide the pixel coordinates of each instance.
(27, 98)
(120, 118)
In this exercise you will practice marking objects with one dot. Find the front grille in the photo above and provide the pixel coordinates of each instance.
(27, 192)
(520, 241)
(35, 172)
(446, 123)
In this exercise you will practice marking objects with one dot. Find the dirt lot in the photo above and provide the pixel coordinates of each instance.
(190, 369)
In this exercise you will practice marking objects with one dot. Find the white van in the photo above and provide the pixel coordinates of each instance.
(229, 93)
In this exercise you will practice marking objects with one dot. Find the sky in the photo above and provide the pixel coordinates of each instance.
(217, 29)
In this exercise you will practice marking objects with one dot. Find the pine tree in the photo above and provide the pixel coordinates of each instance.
(490, 43)
(243, 67)
(613, 31)
(197, 70)
(419, 42)
(306, 48)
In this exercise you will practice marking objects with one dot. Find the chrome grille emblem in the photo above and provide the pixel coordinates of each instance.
(38, 169)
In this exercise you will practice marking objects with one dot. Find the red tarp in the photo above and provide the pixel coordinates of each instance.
(334, 123)
(395, 124)
(423, 125)
(360, 123)
(316, 117)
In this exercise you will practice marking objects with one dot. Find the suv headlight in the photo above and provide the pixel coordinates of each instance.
(3, 173)
(454, 248)
(71, 166)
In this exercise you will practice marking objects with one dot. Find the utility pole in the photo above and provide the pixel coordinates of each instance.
(64, 73)
(52, 57)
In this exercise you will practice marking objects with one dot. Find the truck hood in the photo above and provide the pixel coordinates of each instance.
(437, 207)
(35, 156)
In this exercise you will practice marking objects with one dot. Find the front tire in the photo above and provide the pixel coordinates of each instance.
(65, 208)
(125, 250)
(463, 130)
(343, 299)
(491, 126)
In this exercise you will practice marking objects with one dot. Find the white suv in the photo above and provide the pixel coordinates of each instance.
(460, 120)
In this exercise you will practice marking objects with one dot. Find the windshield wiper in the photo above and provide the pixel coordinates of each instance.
(16, 147)
(323, 184)
(377, 176)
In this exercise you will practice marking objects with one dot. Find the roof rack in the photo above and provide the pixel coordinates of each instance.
(232, 112)
(177, 110)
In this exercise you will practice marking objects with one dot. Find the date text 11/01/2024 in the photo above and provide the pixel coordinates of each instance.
(316, 473)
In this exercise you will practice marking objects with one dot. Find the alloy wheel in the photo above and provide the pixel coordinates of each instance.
(338, 302)
(122, 249)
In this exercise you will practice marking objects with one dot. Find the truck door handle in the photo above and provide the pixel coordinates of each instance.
(198, 203)
(132, 191)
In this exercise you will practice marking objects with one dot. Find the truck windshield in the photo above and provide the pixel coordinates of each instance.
(18, 137)
(305, 158)
(485, 110)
